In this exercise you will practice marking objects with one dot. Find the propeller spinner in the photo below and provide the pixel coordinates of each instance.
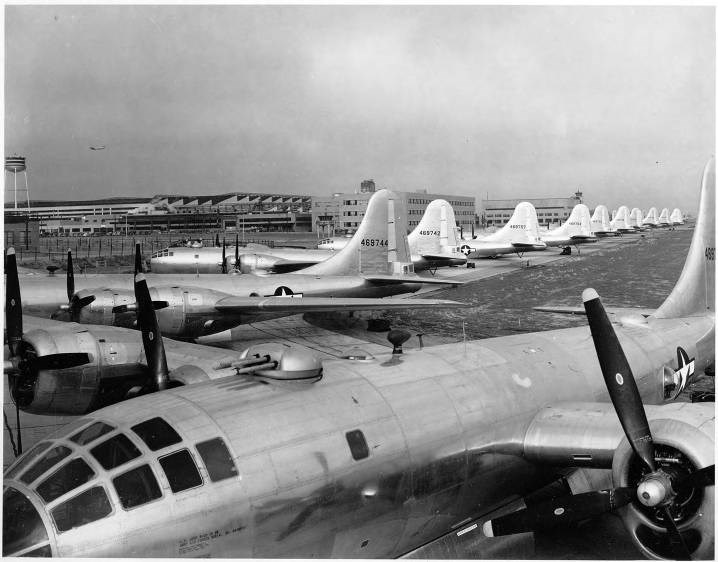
(656, 488)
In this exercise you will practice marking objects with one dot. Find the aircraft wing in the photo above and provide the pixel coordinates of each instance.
(396, 279)
(580, 311)
(300, 305)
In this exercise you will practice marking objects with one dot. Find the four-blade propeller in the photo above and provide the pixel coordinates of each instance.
(656, 488)
(21, 367)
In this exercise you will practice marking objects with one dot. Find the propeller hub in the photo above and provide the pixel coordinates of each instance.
(655, 490)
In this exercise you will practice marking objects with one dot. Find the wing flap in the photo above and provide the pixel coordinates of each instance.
(397, 279)
(580, 311)
(298, 305)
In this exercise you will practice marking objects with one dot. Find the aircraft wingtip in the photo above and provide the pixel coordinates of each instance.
(487, 529)
(11, 251)
(589, 295)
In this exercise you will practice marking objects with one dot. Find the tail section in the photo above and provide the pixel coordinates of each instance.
(521, 228)
(694, 294)
(379, 243)
(600, 221)
(651, 216)
(637, 217)
(663, 217)
(620, 221)
(676, 216)
(578, 223)
(436, 230)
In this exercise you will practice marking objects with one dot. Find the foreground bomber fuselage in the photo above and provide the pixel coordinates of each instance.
(374, 460)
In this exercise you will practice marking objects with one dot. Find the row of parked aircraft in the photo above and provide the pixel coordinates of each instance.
(190, 450)
(435, 242)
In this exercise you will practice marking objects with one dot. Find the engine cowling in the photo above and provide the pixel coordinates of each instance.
(681, 446)
(253, 262)
(115, 368)
(182, 312)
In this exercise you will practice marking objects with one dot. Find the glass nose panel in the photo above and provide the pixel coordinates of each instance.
(22, 526)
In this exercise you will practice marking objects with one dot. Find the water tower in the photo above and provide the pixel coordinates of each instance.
(15, 165)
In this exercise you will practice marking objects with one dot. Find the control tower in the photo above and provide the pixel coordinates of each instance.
(16, 165)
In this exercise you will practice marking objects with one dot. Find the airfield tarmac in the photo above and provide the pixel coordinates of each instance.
(627, 271)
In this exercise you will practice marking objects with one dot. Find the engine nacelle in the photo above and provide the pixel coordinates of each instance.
(182, 312)
(116, 366)
(681, 446)
(253, 262)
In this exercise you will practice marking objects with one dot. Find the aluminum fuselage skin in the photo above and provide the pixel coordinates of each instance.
(192, 297)
(443, 428)
(209, 260)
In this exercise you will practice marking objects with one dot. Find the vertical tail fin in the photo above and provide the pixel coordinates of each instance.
(694, 293)
(599, 220)
(521, 228)
(379, 242)
(620, 220)
(637, 217)
(663, 217)
(436, 229)
(676, 216)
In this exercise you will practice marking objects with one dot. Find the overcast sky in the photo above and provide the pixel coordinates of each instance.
(509, 101)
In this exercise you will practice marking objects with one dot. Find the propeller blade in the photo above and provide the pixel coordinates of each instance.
(473, 236)
(559, 511)
(13, 304)
(700, 478)
(236, 251)
(619, 379)
(216, 240)
(18, 431)
(70, 277)
(138, 259)
(151, 336)
(120, 309)
(58, 361)
(678, 545)
(224, 255)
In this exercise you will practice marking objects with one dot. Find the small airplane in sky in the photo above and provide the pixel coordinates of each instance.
(375, 264)
(407, 454)
(98, 147)
(519, 235)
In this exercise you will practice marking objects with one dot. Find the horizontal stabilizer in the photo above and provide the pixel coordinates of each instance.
(581, 311)
(396, 279)
(300, 305)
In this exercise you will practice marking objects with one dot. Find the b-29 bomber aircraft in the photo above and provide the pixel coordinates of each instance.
(425, 453)
(432, 244)
(517, 236)
(374, 264)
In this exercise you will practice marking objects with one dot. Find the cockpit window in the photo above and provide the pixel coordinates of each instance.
(217, 459)
(73, 474)
(181, 472)
(27, 459)
(89, 506)
(156, 433)
(48, 460)
(89, 434)
(137, 486)
(21, 524)
(115, 451)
